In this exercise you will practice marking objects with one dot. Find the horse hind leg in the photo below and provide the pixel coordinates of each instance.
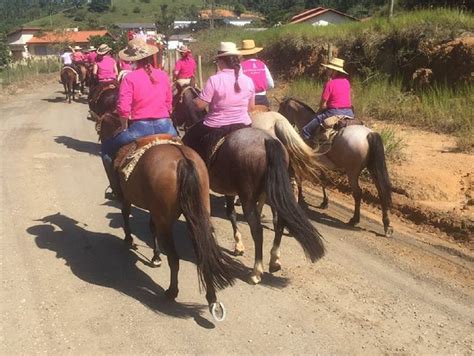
(232, 215)
(156, 259)
(253, 218)
(173, 262)
(357, 195)
(278, 225)
(126, 210)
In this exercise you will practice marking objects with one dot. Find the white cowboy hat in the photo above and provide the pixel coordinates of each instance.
(137, 49)
(337, 64)
(227, 49)
(92, 48)
(103, 49)
(77, 48)
(183, 49)
(248, 47)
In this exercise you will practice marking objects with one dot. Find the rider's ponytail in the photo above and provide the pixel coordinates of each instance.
(146, 63)
(233, 62)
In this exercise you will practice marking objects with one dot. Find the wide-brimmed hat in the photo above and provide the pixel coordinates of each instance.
(77, 48)
(91, 48)
(137, 49)
(183, 49)
(248, 47)
(337, 64)
(227, 49)
(103, 49)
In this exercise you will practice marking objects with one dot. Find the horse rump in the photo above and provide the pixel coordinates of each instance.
(214, 267)
(281, 198)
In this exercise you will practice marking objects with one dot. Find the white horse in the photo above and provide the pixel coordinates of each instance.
(354, 148)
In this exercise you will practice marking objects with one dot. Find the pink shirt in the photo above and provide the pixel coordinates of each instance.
(124, 65)
(227, 107)
(91, 57)
(105, 69)
(337, 93)
(185, 67)
(78, 56)
(139, 98)
(255, 69)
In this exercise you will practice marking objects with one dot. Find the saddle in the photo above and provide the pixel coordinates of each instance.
(129, 155)
(330, 128)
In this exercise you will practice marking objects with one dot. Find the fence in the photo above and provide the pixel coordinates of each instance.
(19, 71)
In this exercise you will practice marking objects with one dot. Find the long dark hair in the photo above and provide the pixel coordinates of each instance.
(233, 62)
(147, 64)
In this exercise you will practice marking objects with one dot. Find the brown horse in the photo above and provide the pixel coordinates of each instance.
(253, 165)
(354, 148)
(69, 80)
(84, 76)
(170, 180)
(102, 99)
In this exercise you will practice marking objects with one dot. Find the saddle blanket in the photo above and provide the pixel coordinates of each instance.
(129, 155)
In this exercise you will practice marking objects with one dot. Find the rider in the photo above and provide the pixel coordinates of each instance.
(91, 55)
(257, 70)
(78, 58)
(144, 99)
(229, 95)
(66, 57)
(185, 67)
(335, 99)
(105, 67)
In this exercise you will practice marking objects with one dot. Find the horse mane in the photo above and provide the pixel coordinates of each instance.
(306, 106)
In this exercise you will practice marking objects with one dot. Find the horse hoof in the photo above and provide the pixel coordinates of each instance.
(156, 262)
(238, 253)
(324, 205)
(255, 279)
(130, 245)
(218, 311)
(274, 268)
(352, 222)
(388, 231)
(170, 294)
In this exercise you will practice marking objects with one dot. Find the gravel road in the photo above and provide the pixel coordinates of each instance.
(69, 286)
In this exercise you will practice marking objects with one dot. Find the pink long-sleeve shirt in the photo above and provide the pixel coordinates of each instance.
(139, 98)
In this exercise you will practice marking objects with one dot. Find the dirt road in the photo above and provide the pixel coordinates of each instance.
(68, 285)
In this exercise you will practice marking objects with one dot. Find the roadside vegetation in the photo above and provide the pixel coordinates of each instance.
(26, 70)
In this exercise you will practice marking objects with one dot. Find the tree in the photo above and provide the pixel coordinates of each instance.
(239, 9)
(165, 21)
(99, 5)
(5, 54)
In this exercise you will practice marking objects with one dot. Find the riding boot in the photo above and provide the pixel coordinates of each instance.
(113, 177)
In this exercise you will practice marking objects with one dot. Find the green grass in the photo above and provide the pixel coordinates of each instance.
(21, 72)
(440, 109)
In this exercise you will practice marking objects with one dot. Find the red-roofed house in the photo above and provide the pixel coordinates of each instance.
(321, 16)
(47, 43)
(17, 40)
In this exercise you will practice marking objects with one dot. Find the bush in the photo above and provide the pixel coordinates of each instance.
(136, 10)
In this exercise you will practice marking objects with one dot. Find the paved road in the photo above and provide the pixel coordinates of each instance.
(68, 286)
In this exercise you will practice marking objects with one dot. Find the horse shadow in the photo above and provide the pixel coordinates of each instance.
(91, 148)
(58, 99)
(101, 259)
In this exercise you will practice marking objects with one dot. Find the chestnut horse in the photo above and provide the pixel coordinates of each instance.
(170, 180)
(102, 99)
(253, 165)
(354, 148)
(69, 80)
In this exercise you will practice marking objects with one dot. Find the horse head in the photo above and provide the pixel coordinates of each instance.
(110, 125)
(296, 112)
(184, 110)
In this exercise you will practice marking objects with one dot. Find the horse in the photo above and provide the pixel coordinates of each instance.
(354, 148)
(84, 76)
(170, 180)
(102, 99)
(252, 164)
(181, 115)
(69, 80)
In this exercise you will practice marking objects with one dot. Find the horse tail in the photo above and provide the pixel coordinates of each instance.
(302, 157)
(280, 197)
(378, 168)
(214, 267)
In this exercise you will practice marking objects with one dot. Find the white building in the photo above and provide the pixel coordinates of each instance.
(321, 16)
(17, 41)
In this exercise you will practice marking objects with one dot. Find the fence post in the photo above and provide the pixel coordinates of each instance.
(200, 71)
(330, 51)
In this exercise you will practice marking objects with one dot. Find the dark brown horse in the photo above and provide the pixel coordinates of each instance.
(253, 165)
(102, 99)
(181, 101)
(170, 180)
(83, 68)
(69, 80)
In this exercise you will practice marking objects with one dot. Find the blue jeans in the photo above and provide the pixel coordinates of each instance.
(310, 128)
(136, 130)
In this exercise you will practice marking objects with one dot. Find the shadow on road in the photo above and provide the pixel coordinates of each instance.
(58, 99)
(102, 259)
(91, 148)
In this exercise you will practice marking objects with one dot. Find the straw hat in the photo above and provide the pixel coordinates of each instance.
(248, 47)
(227, 49)
(183, 49)
(103, 49)
(137, 49)
(337, 64)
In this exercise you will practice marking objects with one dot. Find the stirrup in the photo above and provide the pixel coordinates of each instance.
(110, 194)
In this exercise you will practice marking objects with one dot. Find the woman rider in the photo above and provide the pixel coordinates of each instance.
(185, 67)
(257, 70)
(335, 99)
(105, 67)
(229, 95)
(144, 99)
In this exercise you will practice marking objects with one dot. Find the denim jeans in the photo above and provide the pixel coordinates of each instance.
(310, 128)
(136, 130)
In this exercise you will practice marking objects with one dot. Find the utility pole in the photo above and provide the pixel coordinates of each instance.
(390, 11)
(211, 19)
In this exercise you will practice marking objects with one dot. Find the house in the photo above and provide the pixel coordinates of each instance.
(149, 28)
(17, 40)
(178, 24)
(50, 43)
(237, 21)
(175, 41)
(321, 16)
